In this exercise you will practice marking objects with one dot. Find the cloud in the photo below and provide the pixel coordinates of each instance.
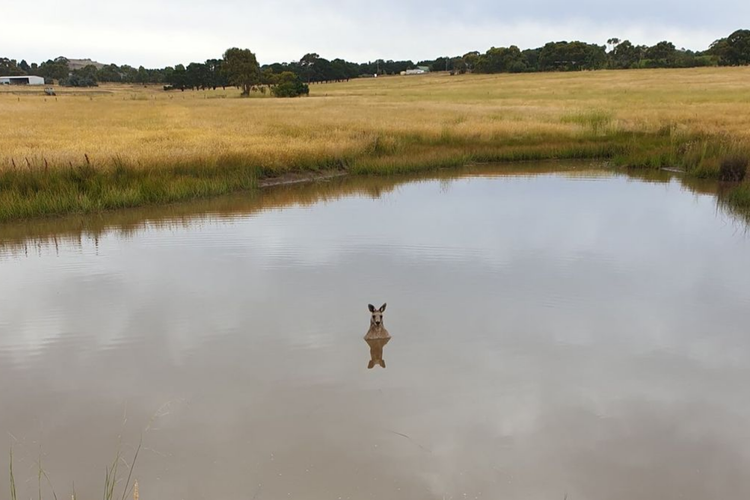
(167, 32)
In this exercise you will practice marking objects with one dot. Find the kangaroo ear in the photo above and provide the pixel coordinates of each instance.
(382, 308)
(371, 308)
(370, 365)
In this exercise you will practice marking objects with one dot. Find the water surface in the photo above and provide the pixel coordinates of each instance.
(557, 330)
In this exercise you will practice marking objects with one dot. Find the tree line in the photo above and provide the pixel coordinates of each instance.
(293, 78)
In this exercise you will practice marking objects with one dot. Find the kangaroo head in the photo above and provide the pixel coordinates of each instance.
(377, 315)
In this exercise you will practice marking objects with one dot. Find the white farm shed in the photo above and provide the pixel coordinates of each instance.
(21, 80)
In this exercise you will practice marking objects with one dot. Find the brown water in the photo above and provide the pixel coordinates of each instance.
(556, 330)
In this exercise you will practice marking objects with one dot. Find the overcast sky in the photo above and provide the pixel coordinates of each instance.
(157, 33)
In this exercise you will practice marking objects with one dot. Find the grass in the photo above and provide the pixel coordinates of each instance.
(122, 146)
(13, 494)
(111, 478)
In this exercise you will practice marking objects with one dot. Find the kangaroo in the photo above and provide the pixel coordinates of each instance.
(377, 336)
(377, 330)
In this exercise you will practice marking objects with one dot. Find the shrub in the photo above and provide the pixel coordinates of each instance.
(290, 85)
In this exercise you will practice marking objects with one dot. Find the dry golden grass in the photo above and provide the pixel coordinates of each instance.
(649, 117)
(149, 127)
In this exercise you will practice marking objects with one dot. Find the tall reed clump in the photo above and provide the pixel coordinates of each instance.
(33, 191)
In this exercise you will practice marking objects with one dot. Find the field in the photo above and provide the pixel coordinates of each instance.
(119, 146)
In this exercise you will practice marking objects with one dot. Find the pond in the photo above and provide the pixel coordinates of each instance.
(557, 330)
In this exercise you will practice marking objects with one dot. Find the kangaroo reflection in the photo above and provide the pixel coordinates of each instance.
(377, 336)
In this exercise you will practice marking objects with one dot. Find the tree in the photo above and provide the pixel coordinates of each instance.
(663, 55)
(307, 63)
(470, 60)
(84, 77)
(733, 50)
(289, 85)
(613, 42)
(176, 77)
(571, 56)
(501, 60)
(216, 78)
(56, 69)
(198, 76)
(241, 68)
(625, 55)
(142, 75)
(9, 67)
(109, 73)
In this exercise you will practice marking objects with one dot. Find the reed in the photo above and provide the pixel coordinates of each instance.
(112, 477)
(13, 494)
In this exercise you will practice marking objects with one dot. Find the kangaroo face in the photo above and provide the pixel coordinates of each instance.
(377, 315)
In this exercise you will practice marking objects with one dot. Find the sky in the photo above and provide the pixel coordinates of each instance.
(157, 33)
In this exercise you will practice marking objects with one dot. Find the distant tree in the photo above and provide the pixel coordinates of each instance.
(470, 60)
(289, 85)
(177, 77)
(531, 56)
(571, 56)
(9, 67)
(57, 69)
(198, 76)
(441, 64)
(625, 55)
(89, 71)
(141, 76)
(307, 63)
(661, 55)
(109, 73)
(501, 60)
(241, 68)
(128, 73)
(216, 77)
(733, 50)
(612, 43)
(84, 77)
(24, 66)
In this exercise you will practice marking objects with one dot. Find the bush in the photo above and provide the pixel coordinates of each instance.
(733, 168)
(290, 85)
(78, 81)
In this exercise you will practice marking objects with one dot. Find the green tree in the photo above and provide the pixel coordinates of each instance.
(571, 56)
(661, 55)
(216, 78)
(56, 69)
(308, 63)
(198, 76)
(290, 85)
(613, 42)
(142, 75)
(177, 77)
(109, 73)
(9, 67)
(241, 68)
(84, 77)
(625, 55)
(470, 60)
(733, 50)
(501, 60)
